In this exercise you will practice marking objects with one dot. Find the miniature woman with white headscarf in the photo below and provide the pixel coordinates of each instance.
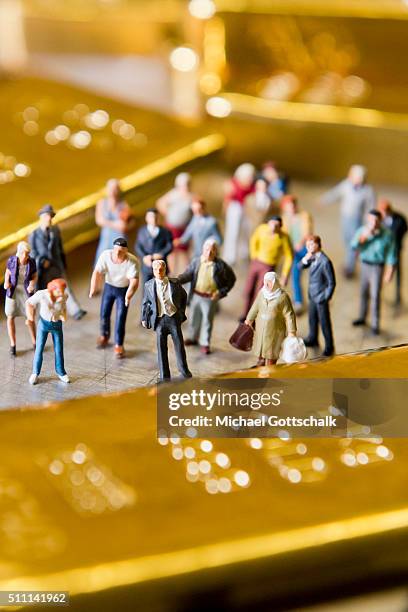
(274, 319)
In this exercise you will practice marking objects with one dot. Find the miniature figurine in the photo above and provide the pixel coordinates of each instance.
(211, 280)
(153, 242)
(322, 283)
(378, 256)
(257, 205)
(356, 198)
(201, 227)
(267, 247)
(120, 269)
(237, 189)
(277, 184)
(114, 216)
(397, 224)
(48, 251)
(175, 206)
(52, 302)
(298, 225)
(163, 310)
(19, 282)
(274, 318)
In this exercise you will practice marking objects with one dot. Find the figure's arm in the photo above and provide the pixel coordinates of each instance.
(254, 244)
(187, 234)
(61, 248)
(332, 195)
(229, 281)
(253, 311)
(131, 290)
(34, 278)
(30, 305)
(358, 240)
(162, 204)
(217, 234)
(140, 248)
(289, 316)
(96, 281)
(146, 304)
(330, 277)
(7, 275)
(287, 259)
(188, 274)
(391, 259)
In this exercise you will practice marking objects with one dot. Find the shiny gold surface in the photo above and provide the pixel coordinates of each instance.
(95, 501)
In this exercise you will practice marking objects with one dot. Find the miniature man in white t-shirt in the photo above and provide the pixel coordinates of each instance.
(120, 269)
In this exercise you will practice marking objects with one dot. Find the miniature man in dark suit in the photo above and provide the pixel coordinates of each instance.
(163, 310)
(397, 224)
(322, 283)
(48, 251)
(153, 243)
(211, 279)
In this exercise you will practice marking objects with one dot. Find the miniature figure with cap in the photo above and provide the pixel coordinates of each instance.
(48, 251)
(163, 310)
(52, 304)
(120, 270)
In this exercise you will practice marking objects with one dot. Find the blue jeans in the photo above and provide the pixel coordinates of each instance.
(55, 329)
(297, 287)
(111, 295)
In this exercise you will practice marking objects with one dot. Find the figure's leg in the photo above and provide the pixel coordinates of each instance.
(296, 277)
(349, 229)
(11, 329)
(398, 279)
(313, 337)
(181, 357)
(194, 319)
(326, 325)
(208, 310)
(375, 295)
(364, 291)
(58, 341)
(108, 299)
(162, 350)
(73, 306)
(120, 319)
(42, 335)
(232, 228)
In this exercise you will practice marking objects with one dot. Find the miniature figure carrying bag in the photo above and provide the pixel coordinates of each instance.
(293, 349)
(242, 338)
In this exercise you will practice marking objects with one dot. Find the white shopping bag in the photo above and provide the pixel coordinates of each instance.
(293, 350)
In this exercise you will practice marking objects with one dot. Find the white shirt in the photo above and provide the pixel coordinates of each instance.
(153, 230)
(49, 310)
(117, 274)
(164, 299)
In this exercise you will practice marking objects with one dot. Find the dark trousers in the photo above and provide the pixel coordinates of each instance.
(254, 282)
(171, 326)
(320, 314)
(111, 295)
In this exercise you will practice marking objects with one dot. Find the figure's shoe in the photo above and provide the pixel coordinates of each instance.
(189, 342)
(33, 379)
(187, 374)
(261, 362)
(358, 322)
(102, 342)
(80, 314)
(119, 352)
(205, 350)
(328, 353)
(310, 343)
(13, 351)
(348, 273)
(375, 331)
(64, 378)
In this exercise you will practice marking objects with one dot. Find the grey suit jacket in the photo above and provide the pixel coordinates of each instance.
(322, 279)
(150, 309)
